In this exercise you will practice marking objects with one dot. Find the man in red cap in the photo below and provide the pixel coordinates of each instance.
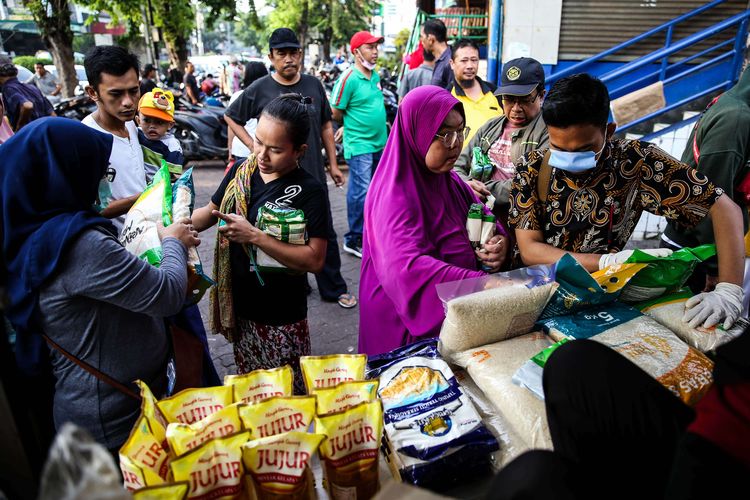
(358, 102)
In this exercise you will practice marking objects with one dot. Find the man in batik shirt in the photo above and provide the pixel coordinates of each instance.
(585, 195)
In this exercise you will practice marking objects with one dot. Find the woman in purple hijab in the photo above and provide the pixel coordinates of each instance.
(415, 225)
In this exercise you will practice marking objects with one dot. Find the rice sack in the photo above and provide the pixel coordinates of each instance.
(492, 315)
(350, 450)
(284, 224)
(529, 376)
(191, 405)
(278, 415)
(345, 395)
(668, 310)
(654, 348)
(214, 470)
(327, 371)
(261, 384)
(279, 465)
(139, 233)
(663, 274)
(185, 437)
(492, 368)
(183, 200)
(429, 420)
(150, 411)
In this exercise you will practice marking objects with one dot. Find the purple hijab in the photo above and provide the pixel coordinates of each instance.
(415, 231)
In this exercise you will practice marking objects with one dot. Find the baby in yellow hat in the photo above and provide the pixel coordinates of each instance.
(156, 119)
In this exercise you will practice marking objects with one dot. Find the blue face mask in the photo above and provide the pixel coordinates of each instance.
(575, 163)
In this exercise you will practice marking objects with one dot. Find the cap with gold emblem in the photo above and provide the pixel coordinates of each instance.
(520, 77)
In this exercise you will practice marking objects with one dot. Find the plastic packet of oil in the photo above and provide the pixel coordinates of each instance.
(151, 411)
(185, 437)
(614, 278)
(278, 464)
(192, 405)
(278, 415)
(320, 372)
(213, 470)
(170, 491)
(261, 384)
(350, 450)
(142, 457)
(345, 395)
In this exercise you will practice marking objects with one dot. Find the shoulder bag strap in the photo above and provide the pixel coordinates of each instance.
(93, 371)
(545, 172)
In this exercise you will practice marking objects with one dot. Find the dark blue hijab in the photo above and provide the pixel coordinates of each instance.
(49, 179)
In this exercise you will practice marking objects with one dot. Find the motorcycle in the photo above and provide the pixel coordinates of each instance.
(75, 108)
(201, 130)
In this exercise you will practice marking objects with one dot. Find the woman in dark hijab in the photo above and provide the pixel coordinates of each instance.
(70, 279)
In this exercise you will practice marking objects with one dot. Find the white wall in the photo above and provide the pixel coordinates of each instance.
(531, 28)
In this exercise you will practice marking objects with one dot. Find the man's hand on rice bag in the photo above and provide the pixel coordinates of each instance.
(493, 253)
(479, 189)
(709, 308)
(610, 259)
(238, 230)
(183, 230)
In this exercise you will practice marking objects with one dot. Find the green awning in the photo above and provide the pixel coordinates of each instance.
(28, 26)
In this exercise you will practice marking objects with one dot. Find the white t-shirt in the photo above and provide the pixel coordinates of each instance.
(239, 150)
(127, 160)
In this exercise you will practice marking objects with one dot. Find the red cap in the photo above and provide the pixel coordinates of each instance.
(362, 37)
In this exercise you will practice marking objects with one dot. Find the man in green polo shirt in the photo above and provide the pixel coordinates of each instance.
(358, 102)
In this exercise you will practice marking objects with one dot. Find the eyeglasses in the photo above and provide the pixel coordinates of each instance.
(450, 138)
(521, 101)
(110, 174)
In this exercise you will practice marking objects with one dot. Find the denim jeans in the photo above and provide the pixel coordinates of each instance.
(361, 168)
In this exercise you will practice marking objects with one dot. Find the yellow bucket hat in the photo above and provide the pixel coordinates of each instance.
(158, 104)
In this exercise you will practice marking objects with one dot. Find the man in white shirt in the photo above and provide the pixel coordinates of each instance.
(113, 84)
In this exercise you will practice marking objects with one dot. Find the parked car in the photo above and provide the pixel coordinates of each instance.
(23, 73)
(83, 80)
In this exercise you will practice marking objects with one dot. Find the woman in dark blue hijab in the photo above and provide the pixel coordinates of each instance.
(69, 278)
(49, 177)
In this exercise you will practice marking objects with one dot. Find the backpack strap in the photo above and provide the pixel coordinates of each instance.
(545, 173)
(93, 371)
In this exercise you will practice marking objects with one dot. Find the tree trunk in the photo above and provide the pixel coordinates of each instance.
(58, 38)
(303, 27)
(177, 50)
(327, 38)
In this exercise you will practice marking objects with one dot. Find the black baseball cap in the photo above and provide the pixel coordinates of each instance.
(520, 77)
(283, 38)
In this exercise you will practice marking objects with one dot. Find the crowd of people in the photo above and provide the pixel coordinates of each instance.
(544, 162)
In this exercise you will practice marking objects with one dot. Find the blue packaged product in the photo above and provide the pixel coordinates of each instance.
(429, 420)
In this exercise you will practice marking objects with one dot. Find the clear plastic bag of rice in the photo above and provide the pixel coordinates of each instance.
(680, 368)
(668, 311)
(492, 368)
(492, 308)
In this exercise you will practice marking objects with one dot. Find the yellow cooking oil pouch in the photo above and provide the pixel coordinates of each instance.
(261, 384)
(132, 476)
(278, 415)
(213, 470)
(278, 465)
(185, 437)
(171, 491)
(350, 450)
(326, 371)
(144, 451)
(152, 413)
(345, 395)
(192, 405)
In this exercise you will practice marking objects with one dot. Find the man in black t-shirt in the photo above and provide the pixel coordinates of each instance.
(191, 84)
(286, 56)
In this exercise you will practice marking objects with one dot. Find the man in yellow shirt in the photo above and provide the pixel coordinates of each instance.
(477, 96)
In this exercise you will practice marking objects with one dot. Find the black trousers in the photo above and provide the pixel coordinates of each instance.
(617, 433)
(330, 282)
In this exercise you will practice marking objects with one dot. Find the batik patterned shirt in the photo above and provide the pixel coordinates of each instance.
(597, 211)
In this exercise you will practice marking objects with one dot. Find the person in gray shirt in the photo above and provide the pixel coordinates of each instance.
(418, 76)
(46, 82)
(70, 279)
